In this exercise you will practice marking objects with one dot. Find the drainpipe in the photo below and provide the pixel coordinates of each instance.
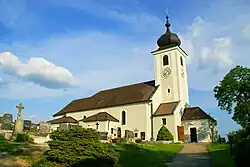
(152, 122)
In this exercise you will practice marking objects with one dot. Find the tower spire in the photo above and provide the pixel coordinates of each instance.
(167, 24)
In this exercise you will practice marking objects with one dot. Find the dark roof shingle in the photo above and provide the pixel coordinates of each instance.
(139, 92)
(193, 113)
(166, 108)
(63, 120)
(101, 116)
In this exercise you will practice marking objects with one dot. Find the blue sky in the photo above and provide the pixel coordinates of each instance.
(52, 52)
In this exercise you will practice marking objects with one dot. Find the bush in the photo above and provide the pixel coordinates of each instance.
(6, 126)
(24, 137)
(164, 134)
(116, 140)
(43, 163)
(79, 147)
(138, 140)
(241, 150)
(124, 140)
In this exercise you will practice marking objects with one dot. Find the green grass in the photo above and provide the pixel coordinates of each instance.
(220, 154)
(157, 155)
(10, 148)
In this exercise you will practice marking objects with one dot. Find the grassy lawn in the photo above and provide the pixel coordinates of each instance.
(157, 155)
(19, 153)
(220, 154)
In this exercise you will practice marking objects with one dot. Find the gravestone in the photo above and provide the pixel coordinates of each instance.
(63, 126)
(103, 135)
(44, 128)
(27, 124)
(19, 122)
(7, 119)
(129, 134)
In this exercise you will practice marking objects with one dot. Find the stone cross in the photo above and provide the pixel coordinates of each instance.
(20, 108)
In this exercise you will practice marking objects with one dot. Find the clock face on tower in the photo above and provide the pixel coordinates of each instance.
(166, 72)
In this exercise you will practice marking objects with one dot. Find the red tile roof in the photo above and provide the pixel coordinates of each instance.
(140, 92)
(63, 120)
(101, 116)
(166, 108)
(193, 113)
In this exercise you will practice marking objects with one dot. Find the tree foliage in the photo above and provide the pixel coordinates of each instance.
(80, 147)
(241, 150)
(164, 134)
(233, 94)
(6, 126)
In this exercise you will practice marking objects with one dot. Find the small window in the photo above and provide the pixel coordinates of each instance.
(181, 61)
(136, 134)
(123, 117)
(84, 117)
(168, 90)
(164, 121)
(112, 130)
(143, 135)
(165, 60)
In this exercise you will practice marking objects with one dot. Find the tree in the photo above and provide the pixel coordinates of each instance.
(6, 126)
(164, 134)
(233, 94)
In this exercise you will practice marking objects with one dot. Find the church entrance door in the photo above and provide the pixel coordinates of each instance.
(180, 133)
(193, 135)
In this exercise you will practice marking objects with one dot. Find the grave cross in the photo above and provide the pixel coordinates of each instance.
(20, 108)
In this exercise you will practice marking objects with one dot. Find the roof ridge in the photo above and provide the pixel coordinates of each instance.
(124, 86)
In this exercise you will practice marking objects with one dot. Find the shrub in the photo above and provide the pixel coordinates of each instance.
(164, 134)
(116, 140)
(138, 140)
(124, 140)
(6, 126)
(43, 163)
(24, 137)
(79, 147)
(241, 141)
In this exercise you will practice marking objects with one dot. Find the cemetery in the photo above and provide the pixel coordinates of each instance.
(26, 145)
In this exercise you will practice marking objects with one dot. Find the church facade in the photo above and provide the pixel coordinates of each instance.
(143, 108)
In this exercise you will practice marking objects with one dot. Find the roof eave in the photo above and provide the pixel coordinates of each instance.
(148, 100)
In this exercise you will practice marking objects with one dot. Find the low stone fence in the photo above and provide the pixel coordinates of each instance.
(159, 142)
(6, 133)
(40, 139)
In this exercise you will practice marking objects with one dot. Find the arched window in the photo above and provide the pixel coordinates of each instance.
(84, 117)
(181, 61)
(123, 117)
(165, 60)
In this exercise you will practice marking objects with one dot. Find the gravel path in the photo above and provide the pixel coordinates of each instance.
(192, 155)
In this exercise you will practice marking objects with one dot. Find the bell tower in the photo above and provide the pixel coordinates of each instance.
(170, 68)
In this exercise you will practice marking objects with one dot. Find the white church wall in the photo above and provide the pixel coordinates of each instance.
(170, 124)
(137, 117)
(202, 127)
(102, 127)
(54, 127)
(156, 99)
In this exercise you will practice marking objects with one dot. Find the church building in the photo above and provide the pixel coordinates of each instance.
(143, 108)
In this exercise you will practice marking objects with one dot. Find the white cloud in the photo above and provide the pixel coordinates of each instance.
(38, 71)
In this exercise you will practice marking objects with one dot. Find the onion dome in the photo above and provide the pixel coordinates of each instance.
(168, 38)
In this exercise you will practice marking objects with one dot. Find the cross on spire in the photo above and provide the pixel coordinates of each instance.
(167, 24)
